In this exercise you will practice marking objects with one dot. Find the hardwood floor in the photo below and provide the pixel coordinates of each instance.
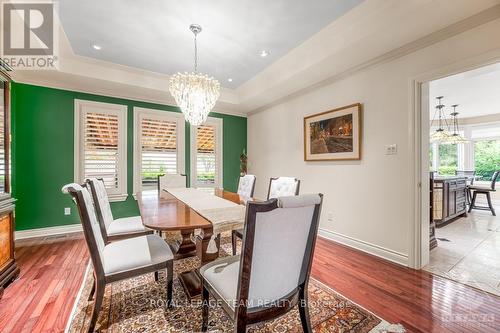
(51, 272)
(42, 298)
(417, 299)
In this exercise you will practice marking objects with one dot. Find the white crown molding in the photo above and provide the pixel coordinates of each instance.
(98, 87)
(361, 38)
(457, 28)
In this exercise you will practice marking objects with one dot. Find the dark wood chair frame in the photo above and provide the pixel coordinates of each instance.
(244, 316)
(100, 278)
(486, 192)
(100, 218)
(235, 234)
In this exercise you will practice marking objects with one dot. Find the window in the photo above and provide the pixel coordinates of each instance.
(486, 158)
(448, 159)
(101, 145)
(158, 146)
(206, 154)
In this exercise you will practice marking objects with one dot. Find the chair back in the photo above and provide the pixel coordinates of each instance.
(279, 242)
(283, 187)
(494, 179)
(101, 203)
(171, 181)
(469, 174)
(246, 187)
(91, 226)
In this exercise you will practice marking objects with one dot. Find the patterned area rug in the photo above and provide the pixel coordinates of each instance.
(138, 305)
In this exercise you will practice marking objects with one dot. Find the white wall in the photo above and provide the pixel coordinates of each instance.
(369, 199)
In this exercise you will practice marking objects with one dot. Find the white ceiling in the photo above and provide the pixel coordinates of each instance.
(477, 92)
(154, 35)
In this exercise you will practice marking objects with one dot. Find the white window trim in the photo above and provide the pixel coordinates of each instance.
(161, 115)
(119, 194)
(218, 123)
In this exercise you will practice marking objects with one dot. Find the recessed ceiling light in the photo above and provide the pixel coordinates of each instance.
(229, 80)
(264, 53)
(97, 47)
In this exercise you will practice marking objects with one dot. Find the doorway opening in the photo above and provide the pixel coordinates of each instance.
(463, 150)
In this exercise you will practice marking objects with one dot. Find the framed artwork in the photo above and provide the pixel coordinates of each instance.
(333, 135)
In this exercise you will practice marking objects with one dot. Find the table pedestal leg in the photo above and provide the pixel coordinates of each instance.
(191, 280)
(184, 247)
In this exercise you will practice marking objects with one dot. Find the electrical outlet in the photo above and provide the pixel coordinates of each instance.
(67, 211)
(391, 149)
(330, 216)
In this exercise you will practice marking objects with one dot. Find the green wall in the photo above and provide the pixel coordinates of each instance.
(42, 153)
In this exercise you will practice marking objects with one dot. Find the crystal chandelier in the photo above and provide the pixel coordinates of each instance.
(440, 134)
(195, 93)
(455, 137)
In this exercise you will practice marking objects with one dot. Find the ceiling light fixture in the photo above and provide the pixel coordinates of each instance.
(229, 80)
(440, 134)
(264, 53)
(195, 93)
(455, 137)
(97, 47)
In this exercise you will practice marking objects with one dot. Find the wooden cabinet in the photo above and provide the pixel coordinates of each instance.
(449, 199)
(8, 266)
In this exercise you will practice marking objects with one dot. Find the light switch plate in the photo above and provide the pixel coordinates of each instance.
(67, 211)
(391, 149)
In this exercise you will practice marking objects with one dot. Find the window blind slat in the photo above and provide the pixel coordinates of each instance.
(158, 149)
(206, 166)
(101, 148)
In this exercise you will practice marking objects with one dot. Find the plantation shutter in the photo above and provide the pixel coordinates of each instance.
(101, 158)
(158, 149)
(206, 157)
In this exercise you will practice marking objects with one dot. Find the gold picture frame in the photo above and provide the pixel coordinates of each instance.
(334, 135)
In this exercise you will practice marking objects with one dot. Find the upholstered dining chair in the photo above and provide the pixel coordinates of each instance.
(112, 229)
(246, 187)
(279, 239)
(283, 187)
(172, 181)
(119, 260)
(278, 187)
(486, 191)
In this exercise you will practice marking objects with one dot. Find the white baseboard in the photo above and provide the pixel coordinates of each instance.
(379, 251)
(49, 231)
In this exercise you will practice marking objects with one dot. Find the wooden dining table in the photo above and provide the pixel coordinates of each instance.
(163, 212)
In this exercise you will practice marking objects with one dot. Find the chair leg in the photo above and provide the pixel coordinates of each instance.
(240, 326)
(99, 295)
(233, 240)
(204, 309)
(92, 291)
(170, 281)
(488, 197)
(473, 203)
(157, 276)
(304, 310)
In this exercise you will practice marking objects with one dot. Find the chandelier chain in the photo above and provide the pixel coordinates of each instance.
(195, 53)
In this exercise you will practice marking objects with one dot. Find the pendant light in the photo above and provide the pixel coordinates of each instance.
(195, 93)
(441, 134)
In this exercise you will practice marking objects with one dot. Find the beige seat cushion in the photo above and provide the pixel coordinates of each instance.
(222, 275)
(133, 253)
(126, 225)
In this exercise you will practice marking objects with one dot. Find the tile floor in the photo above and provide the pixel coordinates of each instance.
(472, 254)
